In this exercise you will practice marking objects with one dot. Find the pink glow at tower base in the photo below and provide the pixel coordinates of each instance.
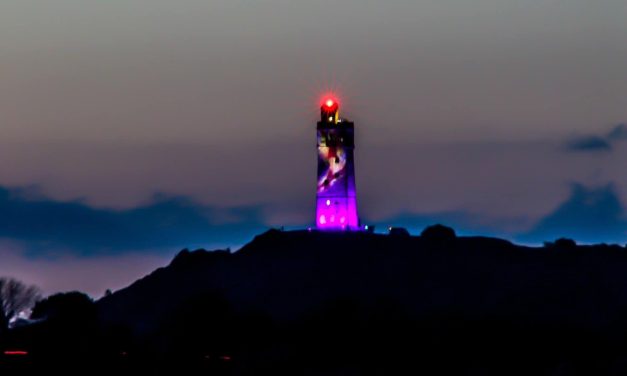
(337, 213)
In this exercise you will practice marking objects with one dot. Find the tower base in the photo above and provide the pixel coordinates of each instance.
(337, 213)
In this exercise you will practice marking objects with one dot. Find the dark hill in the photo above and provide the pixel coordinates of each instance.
(286, 274)
(352, 299)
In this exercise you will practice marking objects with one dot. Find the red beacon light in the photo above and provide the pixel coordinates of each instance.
(330, 104)
(329, 110)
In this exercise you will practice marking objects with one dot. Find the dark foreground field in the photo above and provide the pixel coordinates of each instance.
(309, 303)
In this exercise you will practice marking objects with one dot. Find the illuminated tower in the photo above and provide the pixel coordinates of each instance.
(336, 201)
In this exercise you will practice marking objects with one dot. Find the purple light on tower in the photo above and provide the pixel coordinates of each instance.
(336, 201)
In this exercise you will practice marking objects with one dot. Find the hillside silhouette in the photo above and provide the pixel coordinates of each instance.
(308, 302)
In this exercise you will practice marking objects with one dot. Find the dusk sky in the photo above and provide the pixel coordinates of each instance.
(130, 129)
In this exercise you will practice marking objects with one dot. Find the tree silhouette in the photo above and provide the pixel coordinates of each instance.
(15, 297)
(67, 321)
(74, 307)
(438, 232)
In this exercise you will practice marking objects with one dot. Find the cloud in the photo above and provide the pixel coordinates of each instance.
(44, 225)
(92, 275)
(65, 245)
(594, 143)
(590, 215)
(619, 132)
(589, 144)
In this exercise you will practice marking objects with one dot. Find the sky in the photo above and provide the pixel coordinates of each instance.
(130, 129)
